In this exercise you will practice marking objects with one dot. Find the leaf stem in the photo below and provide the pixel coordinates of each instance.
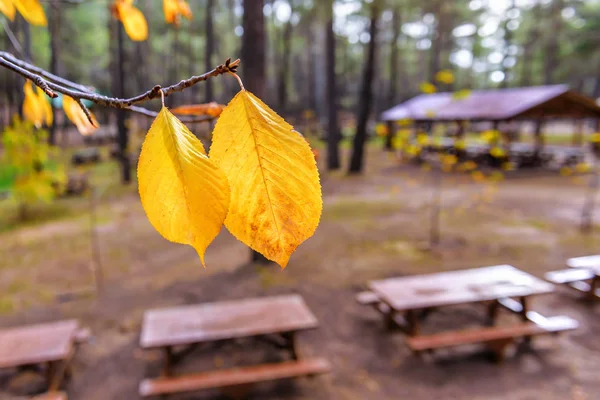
(238, 79)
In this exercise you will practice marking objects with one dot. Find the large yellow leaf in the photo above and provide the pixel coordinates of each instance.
(185, 195)
(133, 21)
(78, 117)
(7, 8)
(276, 199)
(32, 11)
(33, 109)
(45, 106)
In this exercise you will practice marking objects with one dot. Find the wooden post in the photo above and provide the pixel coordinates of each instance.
(389, 139)
(539, 141)
(460, 135)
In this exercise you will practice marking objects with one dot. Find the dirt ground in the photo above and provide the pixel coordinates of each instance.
(373, 226)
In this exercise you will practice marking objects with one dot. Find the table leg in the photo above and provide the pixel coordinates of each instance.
(390, 323)
(51, 372)
(168, 361)
(492, 312)
(291, 344)
(412, 323)
(524, 308)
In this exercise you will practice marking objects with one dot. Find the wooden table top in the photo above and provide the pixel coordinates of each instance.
(458, 287)
(590, 262)
(225, 320)
(34, 344)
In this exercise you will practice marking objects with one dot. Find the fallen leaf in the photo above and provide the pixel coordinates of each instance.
(32, 11)
(185, 195)
(276, 198)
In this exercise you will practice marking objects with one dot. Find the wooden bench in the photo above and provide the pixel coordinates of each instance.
(497, 338)
(576, 278)
(233, 377)
(569, 275)
(368, 298)
(51, 396)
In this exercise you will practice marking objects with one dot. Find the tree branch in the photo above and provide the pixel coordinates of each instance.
(51, 83)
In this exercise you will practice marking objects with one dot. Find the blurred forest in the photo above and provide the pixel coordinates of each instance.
(493, 43)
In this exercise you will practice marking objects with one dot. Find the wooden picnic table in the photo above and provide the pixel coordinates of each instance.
(496, 286)
(50, 344)
(423, 292)
(277, 318)
(583, 275)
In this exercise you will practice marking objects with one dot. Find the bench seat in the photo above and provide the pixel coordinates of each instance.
(51, 396)
(569, 275)
(367, 298)
(233, 377)
(491, 335)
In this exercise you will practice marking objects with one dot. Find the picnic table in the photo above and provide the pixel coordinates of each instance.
(47, 347)
(277, 319)
(405, 301)
(583, 275)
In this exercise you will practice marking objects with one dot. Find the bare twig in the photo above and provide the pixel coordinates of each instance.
(11, 37)
(53, 83)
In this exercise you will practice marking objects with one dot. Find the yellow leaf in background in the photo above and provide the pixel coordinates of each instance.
(595, 138)
(212, 109)
(461, 94)
(32, 11)
(445, 76)
(427, 87)
(583, 168)
(185, 195)
(133, 21)
(381, 130)
(276, 198)
(566, 171)
(171, 10)
(78, 117)
(184, 9)
(8, 8)
(45, 106)
(497, 152)
(33, 110)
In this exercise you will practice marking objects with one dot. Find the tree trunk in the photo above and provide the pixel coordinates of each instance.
(436, 42)
(529, 47)
(551, 60)
(284, 68)
(54, 22)
(396, 24)
(366, 95)
(209, 49)
(508, 38)
(122, 134)
(253, 61)
(333, 130)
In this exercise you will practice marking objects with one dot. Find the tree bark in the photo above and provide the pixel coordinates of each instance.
(284, 68)
(209, 49)
(508, 38)
(253, 60)
(551, 61)
(396, 24)
(366, 94)
(122, 134)
(54, 22)
(333, 130)
(529, 48)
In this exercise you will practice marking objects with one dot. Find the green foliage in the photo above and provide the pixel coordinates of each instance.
(28, 168)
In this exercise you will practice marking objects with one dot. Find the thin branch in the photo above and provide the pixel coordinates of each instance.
(38, 80)
(11, 37)
(53, 83)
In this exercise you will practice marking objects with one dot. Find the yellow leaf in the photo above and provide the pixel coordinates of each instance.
(184, 9)
(381, 129)
(133, 21)
(32, 11)
(185, 195)
(78, 117)
(427, 87)
(461, 94)
(45, 106)
(7, 8)
(445, 76)
(33, 109)
(276, 199)
(171, 10)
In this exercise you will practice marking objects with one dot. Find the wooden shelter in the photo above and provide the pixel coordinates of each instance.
(537, 104)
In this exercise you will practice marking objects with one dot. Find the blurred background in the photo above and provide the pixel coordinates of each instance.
(75, 242)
